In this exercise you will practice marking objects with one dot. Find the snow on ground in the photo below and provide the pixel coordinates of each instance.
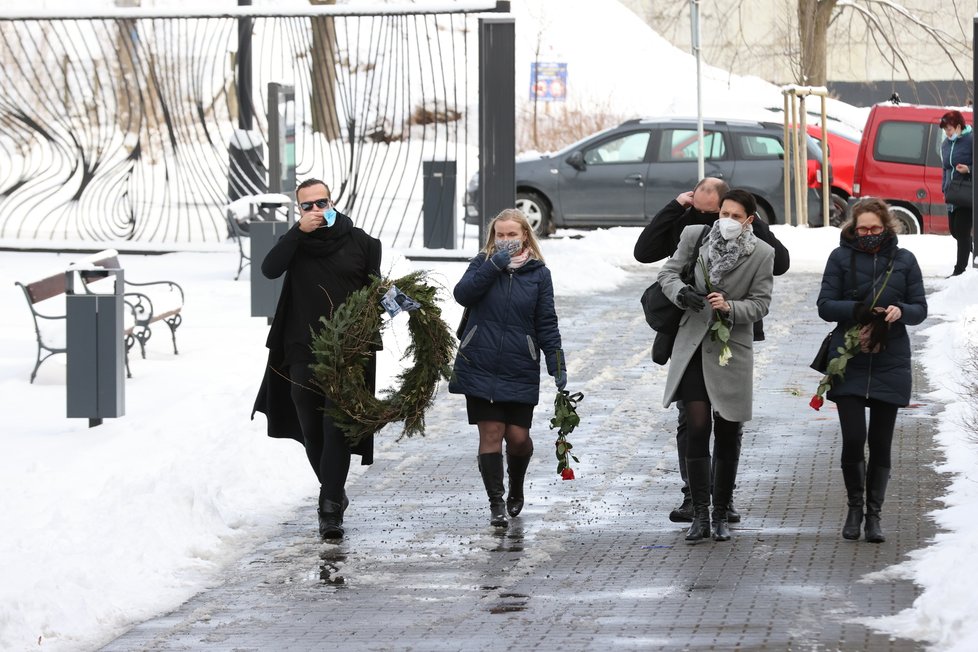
(107, 526)
(110, 525)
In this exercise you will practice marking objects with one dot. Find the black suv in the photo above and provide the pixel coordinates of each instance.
(625, 175)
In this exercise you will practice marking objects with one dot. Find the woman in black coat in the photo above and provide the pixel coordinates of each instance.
(873, 285)
(509, 296)
(957, 154)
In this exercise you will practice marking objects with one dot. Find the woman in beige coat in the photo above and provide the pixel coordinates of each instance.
(713, 374)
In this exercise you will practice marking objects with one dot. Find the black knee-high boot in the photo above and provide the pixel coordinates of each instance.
(516, 467)
(877, 478)
(698, 471)
(854, 475)
(724, 478)
(491, 468)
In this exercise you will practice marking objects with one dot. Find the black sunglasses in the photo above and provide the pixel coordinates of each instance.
(319, 203)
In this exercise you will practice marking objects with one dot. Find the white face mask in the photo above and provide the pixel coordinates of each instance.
(729, 228)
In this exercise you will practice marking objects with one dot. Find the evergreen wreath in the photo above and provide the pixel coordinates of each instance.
(345, 345)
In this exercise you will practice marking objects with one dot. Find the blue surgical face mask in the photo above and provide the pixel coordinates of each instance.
(329, 217)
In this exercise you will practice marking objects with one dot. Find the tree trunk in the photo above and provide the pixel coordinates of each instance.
(323, 74)
(813, 26)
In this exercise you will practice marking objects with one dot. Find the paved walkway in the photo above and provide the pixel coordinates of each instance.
(593, 563)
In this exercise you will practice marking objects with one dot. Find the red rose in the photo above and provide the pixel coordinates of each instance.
(567, 473)
(816, 402)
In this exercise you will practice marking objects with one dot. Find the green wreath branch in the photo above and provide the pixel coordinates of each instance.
(347, 342)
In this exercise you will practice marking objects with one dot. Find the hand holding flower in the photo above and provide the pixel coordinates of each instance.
(893, 313)
(868, 336)
(718, 302)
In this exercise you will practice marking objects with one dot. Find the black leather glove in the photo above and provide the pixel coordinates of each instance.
(862, 314)
(689, 298)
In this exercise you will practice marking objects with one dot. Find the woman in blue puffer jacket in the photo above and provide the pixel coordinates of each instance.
(509, 296)
(957, 154)
(868, 264)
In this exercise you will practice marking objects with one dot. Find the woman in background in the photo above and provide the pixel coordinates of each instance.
(957, 152)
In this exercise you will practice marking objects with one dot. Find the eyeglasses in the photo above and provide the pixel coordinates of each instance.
(869, 230)
(319, 203)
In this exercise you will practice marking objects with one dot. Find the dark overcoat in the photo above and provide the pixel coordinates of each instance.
(853, 276)
(511, 320)
(275, 394)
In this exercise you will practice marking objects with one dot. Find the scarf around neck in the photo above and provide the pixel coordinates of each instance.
(517, 261)
(724, 254)
(327, 241)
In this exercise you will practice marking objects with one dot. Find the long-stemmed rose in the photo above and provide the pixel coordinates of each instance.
(565, 420)
(720, 328)
(851, 345)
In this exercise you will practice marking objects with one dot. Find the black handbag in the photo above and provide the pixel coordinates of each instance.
(661, 314)
(462, 323)
(821, 361)
(959, 192)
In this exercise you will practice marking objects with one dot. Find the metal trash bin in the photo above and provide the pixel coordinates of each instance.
(96, 353)
(264, 291)
(439, 204)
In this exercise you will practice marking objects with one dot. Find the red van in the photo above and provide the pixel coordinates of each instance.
(899, 160)
(843, 148)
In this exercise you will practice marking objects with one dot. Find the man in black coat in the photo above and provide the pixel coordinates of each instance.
(658, 241)
(325, 259)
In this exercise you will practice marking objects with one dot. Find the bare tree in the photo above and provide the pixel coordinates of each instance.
(802, 33)
(323, 73)
(885, 21)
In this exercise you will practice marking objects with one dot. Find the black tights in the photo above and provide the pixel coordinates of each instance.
(326, 447)
(699, 424)
(852, 419)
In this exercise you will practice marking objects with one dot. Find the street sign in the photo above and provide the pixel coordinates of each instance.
(548, 81)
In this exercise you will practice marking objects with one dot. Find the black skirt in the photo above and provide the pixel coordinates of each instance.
(692, 387)
(510, 413)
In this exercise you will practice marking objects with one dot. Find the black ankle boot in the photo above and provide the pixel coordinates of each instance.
(876, 481)
(683, 513)
(491, 468)
(854, 475)
(698, 470)
(516, 467)
(724, 478)
(330, 518)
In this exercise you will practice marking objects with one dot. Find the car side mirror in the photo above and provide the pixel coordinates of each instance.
(576, 161)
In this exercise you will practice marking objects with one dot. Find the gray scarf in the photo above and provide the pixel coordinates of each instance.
(724, 254)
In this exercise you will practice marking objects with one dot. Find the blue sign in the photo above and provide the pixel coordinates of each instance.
(548, 81)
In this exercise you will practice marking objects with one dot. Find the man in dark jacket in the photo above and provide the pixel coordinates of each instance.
(658, 241)
(325, 259)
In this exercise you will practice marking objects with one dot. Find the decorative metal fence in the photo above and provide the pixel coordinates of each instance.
(126, 126)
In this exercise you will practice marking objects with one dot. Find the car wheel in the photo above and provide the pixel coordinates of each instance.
(838, 210)
(536, 210)
(906, 221)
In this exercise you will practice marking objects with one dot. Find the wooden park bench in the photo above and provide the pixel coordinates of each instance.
(146, 303)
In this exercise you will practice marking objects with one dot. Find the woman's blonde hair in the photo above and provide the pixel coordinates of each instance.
(512, 215)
